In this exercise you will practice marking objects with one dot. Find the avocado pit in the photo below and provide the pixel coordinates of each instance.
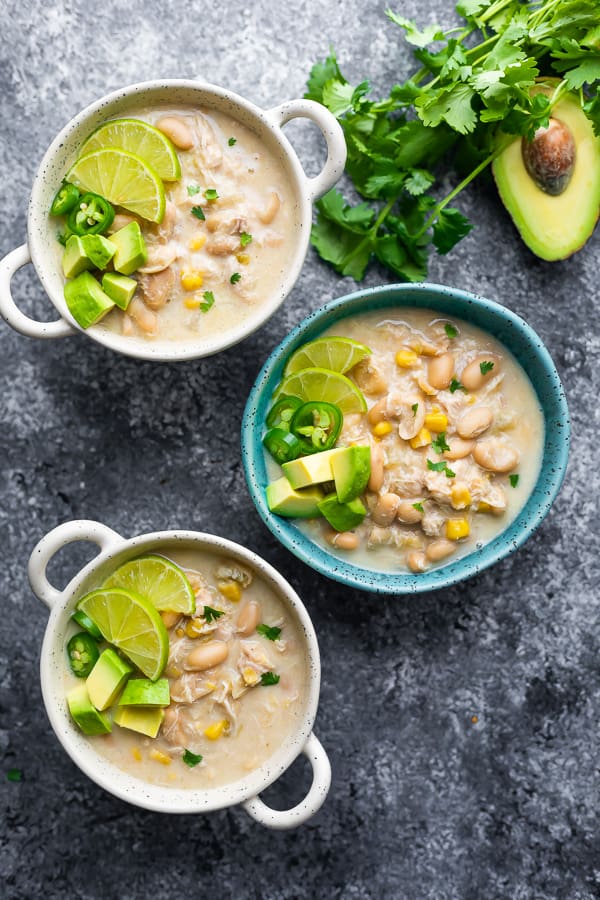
(550, 157)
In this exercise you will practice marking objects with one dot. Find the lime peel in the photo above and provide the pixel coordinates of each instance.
(141, 139)
(339, 354)
(159, 580)
(323, 384)
(121, 178)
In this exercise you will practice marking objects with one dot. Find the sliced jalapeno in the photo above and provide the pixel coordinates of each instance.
(86, 623)
(280, 414)
(91, 215)
(83, 652)
(282, 445)
(317, 425)
(65, 199)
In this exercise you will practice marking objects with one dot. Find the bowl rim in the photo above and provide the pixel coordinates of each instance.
(170, 351)
(314, 555)
(122, 783)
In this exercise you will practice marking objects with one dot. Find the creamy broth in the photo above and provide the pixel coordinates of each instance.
(188, 256)
(250, 720)
(469, 492)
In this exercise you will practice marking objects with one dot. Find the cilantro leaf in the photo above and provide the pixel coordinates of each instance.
(441, 466)
(414, 408)
(439, 444)
(210, 614)
(232, 141)
(191, 759)
(451, 226)
(271, 632)
(455, 385)
(320, 74)
(268, 678)
(415, 36)
(514, 480)
(342, 234)
(245, 239)
(418, 507)
(486, 366)
(209, 300)
(198, 212)
(211, 194)
(193, 189)
(450, 330)
(235, 278)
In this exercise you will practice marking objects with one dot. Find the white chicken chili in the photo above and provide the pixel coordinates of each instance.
(226, 234)
(231, 693)
(456, 435)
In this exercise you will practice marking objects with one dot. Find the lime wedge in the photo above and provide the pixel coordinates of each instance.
(123, 179)
(323, 384)
(131, 624)
(139, 138)
(158, 580)
(335, 353)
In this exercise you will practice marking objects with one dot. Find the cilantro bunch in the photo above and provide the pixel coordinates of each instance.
(467, 101)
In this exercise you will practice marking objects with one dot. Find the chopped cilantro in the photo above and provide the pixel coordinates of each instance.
(439, 444)
(414, 408)
(514, 480)
(191, 759)
(245, 238)
(232, 141)
(486, 367)
(211, 194)
(198, 212)
(450, 330)
(62, 237)
(440, 467)
(193, 189)
(209, 299)
(268, 678)
(418, 507)
(269, 631)
(455, 385)
(14, 775)
(211, 614)
(235, 278)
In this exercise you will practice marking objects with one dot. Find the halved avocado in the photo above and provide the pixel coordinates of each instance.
(554, 226)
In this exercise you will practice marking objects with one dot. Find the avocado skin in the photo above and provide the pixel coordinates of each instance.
(351, 472)
(554, 227)
(342, 516)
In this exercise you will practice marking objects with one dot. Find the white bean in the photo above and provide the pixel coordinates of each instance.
(458, 448)
(474, 422)
(376, 476)
(439, 549)
(170, 618)
(495, 456)
(473, 378)
(416, 561)
(207, 656)
(407, 514)
(385, 509)
(440, 371)
(378, 412)
(343, 540)
(143, 317)
(271, 209)
(177, 131)
(248, 618)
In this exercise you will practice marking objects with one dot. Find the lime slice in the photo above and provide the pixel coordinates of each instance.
(335, 353)
(323, 384)
(139, 138)
(131, 624)
(123, 179)
(158, 580)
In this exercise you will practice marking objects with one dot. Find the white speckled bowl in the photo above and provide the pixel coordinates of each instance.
(44, 251)
(114, 551)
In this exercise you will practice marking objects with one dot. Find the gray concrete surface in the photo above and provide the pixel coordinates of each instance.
(425, 802)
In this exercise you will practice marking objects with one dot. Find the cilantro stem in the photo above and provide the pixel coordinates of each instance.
(372, 233)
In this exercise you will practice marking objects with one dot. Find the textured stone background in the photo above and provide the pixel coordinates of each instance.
(424, 803)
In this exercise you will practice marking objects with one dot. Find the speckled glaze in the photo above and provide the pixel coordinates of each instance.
(42, 248)
(504, 325)
(114, 551)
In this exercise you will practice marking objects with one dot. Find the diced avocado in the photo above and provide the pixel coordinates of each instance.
(131, 249)
(84, 714)
(283, 500)
(314, 469)
(75, 260)
(107, 678)
(342, 516)
(119, 288)
(143, 719)
(351, 472)
(143, 692)
(86, 300)
(98, 249)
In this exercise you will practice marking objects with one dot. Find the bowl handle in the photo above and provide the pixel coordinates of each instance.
(332, 132)
(290, 818)
(8, 308)
(67, 533)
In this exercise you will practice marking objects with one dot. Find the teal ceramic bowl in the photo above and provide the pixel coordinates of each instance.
(510, 330)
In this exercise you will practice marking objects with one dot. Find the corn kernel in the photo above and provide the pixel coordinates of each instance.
(180, 632)
(231, 590)
(426, 387)
(461, 496)
(422, 439)
(216, 730)
(136, 754)
(192, 280)
(406, 359)
(243, 258)
(381, 429)
(471, 399)
(457, 529)
(483, 507)
(250, 676)
(193, 628)
(436, 421)
(198, 242)
(160, 757)
(192, 302)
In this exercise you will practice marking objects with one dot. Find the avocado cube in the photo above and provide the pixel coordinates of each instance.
(143, 692)
(307, 470)
(98, 249)
(143, 719)
(75, 260)
(351, 469)
(119, 288)
(84, 714)
(342, 516)
(107, 678)
(131, 249)
(86, 300)
(283, 500)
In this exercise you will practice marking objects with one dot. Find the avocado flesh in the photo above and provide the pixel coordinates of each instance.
(283, 500)
(342, 516)
(84, 714)
(107, 678)
(351, 472)
(143, 692)
(554, 227)
(143, 719)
